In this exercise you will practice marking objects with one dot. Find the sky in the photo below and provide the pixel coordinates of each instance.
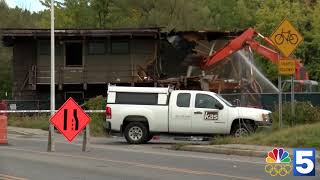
(31, 5)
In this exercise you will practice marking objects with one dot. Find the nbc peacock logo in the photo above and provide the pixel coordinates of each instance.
(278, 162)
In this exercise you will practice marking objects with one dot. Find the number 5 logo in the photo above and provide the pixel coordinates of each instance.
(304, 161)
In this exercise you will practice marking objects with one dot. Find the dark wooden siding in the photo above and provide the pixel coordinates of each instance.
(97, 69)
(24, 56)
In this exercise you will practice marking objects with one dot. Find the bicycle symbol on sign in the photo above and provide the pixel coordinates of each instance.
(288, 36)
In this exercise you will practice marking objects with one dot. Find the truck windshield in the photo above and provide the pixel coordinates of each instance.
(225, 101)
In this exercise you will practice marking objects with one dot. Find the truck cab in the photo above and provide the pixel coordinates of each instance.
(197, 112)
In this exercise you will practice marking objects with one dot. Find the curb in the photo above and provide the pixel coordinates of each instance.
(25, 131)
(227, 151)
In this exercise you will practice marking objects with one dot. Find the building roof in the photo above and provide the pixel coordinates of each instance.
(9, 34)
(18, 32)
(27, 32)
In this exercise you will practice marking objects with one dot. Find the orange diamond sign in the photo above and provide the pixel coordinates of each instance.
(70, 119)
(286, 38)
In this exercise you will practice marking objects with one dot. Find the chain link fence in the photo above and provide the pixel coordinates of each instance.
(34, 104)
(270, 100)
(266, 101)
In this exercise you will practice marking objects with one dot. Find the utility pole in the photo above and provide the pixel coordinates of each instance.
(51, 144)
(292, 101)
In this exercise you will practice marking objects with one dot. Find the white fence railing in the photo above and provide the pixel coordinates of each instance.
(45, 111)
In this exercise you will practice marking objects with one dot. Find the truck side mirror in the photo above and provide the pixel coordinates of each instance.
(219, 106)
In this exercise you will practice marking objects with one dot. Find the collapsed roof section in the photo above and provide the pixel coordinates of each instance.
(182, 49)
(236, 73)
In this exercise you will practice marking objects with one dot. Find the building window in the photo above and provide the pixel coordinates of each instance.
(44, 48)
(73, 54)
(120, 47)
(137, 98)
(96, 47)
(183, 100)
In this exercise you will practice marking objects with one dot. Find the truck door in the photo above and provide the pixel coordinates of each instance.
(180, 114)
(206, 115)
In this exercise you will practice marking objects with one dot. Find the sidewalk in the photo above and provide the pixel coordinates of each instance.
(26, 131)
(235, 149)
(38, 133)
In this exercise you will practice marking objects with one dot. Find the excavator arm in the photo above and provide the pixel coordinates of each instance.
(233, 46)
(247, 39)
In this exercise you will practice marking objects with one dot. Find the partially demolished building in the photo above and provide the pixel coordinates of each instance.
(88, 59)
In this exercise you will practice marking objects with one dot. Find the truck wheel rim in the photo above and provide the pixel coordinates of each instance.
(241, 132)
(135, 133)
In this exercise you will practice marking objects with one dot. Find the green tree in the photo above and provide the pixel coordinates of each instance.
(11, 18)
(69, 14)
(232, 14)
(314, 44)
(169, 14)
(102, 9)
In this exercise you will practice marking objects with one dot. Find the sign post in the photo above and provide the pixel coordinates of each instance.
(286, 38)
(51, 146)
(292, 101)
(85, 141)
(285, 67)
(280, 100)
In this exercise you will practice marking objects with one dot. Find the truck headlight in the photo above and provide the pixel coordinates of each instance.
(266, 117)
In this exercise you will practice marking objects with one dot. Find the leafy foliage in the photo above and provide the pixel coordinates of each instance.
(32, 121)
(305, 113)
(97, 119)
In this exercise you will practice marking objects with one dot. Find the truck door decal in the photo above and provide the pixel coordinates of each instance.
(211, 115)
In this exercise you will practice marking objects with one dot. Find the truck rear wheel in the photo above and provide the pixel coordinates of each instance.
(136, 133)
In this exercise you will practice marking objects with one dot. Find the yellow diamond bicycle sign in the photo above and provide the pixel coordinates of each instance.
(286, 38)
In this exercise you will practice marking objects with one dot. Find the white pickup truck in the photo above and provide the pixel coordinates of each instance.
(142, 112)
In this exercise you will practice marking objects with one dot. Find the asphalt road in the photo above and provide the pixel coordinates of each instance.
(111, 158)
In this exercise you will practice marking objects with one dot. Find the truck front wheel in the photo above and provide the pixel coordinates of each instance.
(239, 130)
(136, 133)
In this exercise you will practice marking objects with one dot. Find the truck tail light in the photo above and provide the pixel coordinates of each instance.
(108, 112)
